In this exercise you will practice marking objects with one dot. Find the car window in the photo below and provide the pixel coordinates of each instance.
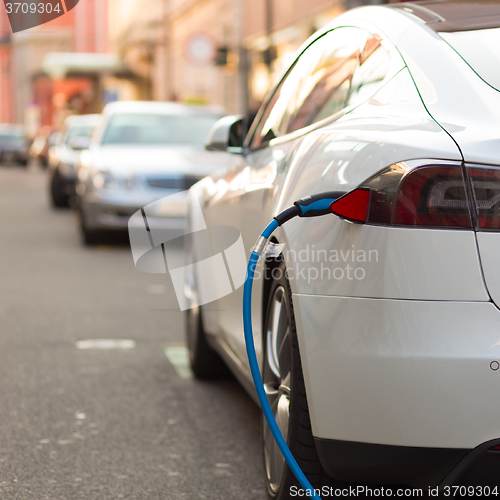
(316, 86)
(373, 68)
(324, 92)
(156, 128)
(78, 131)
(12, 139)
(274, 120)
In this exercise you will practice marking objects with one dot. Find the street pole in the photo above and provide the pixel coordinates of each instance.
(242, 57)
(269, 34)
(168, 63)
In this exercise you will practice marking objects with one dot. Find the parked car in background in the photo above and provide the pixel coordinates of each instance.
(141, 152)
(13, 144)
(378, 327)
(40, 147)
(74, 137)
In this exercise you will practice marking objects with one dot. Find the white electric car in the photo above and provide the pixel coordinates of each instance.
(380, 344)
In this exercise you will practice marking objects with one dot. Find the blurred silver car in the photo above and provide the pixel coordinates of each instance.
(64, 156)
(142, 152)
(39, 149)
(13, 144)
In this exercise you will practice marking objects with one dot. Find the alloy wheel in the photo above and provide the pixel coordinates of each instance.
(276, 378)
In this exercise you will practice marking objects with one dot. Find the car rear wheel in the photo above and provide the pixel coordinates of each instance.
(90, 237)
(285, 389)
(204, 361)
(57, 195)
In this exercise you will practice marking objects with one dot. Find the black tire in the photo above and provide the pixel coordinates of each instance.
(58, 197)
(90, 237)
(286, 366)
(204, 361)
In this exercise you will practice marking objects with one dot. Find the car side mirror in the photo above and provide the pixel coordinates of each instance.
(227, 134)
(79, 143)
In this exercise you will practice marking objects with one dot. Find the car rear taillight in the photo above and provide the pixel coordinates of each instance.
(486, 188)
(426, 196)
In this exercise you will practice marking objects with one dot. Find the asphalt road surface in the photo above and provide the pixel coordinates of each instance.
(104, 424)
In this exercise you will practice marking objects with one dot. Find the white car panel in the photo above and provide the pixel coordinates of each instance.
(489, 245)
(392, 263)
(466, 106)
(388, 371)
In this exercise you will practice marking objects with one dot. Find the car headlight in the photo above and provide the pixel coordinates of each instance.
(102, 180)
(105, 180)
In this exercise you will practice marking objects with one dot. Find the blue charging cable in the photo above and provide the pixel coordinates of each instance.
(312, 206)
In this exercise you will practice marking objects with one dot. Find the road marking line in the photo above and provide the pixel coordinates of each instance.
(106, 344)
(178, 355)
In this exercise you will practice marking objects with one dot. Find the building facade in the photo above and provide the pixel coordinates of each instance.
(27, 93)
(224, 52)
(275, 30)
(215, 51)
(6, 107)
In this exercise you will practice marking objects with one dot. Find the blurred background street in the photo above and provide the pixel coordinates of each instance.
(218, 52)
(109, 424)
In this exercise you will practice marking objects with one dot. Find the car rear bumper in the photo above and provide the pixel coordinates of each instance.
(401, 374)
(13, 156)
(366, 463)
